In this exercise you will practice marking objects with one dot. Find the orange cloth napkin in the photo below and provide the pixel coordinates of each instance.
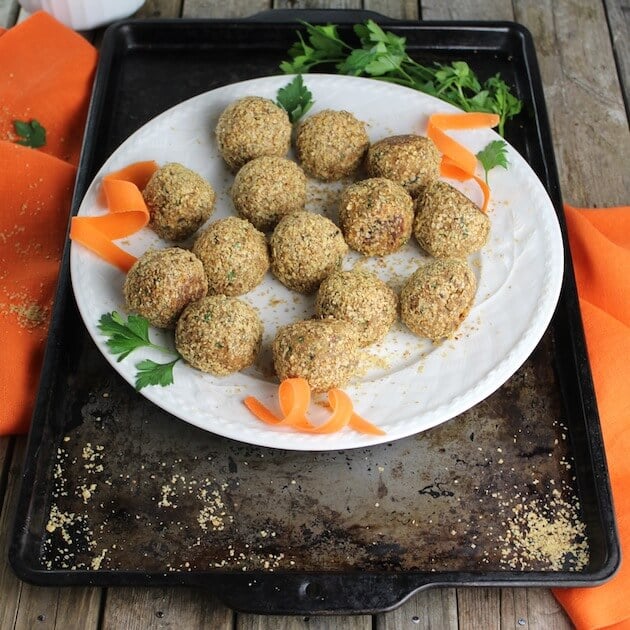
(600, 247)
(46, 73)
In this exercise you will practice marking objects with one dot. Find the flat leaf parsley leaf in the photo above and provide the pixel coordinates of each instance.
(383, 55)
(152, 373)
(493, 154)
(126, 336)
(32, 134)
(295, 98)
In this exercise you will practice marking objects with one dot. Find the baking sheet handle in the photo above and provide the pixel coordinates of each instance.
(284, 594)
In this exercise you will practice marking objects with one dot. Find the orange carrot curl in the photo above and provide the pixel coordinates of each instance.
(294, 396)
(127, 214)
(457, 161)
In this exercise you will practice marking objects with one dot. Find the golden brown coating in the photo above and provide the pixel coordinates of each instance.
(361, 298)
(162, 282)
(179, 201)
(305, 248)
(268, 188)
(331, 144)
(251, 127)
(234, 255)
(410, 160)
(448, 224)
(323, 351)
(436, 298)
(376, 216)
(219, 334)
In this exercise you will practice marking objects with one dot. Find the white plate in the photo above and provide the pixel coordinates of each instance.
(407, 384)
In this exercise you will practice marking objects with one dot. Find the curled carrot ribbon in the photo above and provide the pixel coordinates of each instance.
(457, 161)
(294, 395)
(128, 213)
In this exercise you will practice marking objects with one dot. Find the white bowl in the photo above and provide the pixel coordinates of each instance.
(84, 14)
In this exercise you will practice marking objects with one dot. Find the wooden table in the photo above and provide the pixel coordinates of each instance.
(583, 49)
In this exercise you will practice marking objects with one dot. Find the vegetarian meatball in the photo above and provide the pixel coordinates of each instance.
(219, 334)
(448, 224)
(437, 297)
(376, 216)
(361, 298)
(251, 127)
(411, 161)
(268, 188)
(331, 144)
(234, 256)
(162, 282)
(179, 201)
(305, 248)
(323, 351)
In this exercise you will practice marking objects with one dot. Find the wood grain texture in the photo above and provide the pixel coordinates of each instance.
(467, 10)
(399, 9)
(220, 9)
(272, 622)
(23, 606)
(619, 24)
(431, 609)
(317, 4)
(153, 608)
(479, 608)
(160, 9)
(586, 110)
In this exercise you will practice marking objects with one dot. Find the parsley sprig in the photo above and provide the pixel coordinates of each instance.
(383, 55)
(31, 133)
(126, 336)
(295, 98)
(493, 154)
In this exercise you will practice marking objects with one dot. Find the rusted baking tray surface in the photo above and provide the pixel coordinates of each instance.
(116, 491)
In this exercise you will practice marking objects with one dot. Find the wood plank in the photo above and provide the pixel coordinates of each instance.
(231, 9)
(399, 9)
(531, 609)
(147, 608)
(8, 12)
(23, 606)
(430, 609)
(587, 114)
(619, 24)
(466, 10)
(160, 9)
(316, 4)
(479, 608)
(276, 622)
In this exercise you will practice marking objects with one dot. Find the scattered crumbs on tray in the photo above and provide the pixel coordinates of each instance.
(496, 490)
(548, 532)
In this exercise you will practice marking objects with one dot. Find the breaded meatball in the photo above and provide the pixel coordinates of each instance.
(323, 351)
(361, 298)
(331, 144)
(219, 334)
(409, 160)
(162, 282)
(376, 216)
(268, 188)
(448, 224)
(437, 297)
(179, 201)
(234, 256)
(305, 248)
(251, 127)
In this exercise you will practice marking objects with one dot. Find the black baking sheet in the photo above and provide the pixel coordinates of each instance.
(116, 491)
